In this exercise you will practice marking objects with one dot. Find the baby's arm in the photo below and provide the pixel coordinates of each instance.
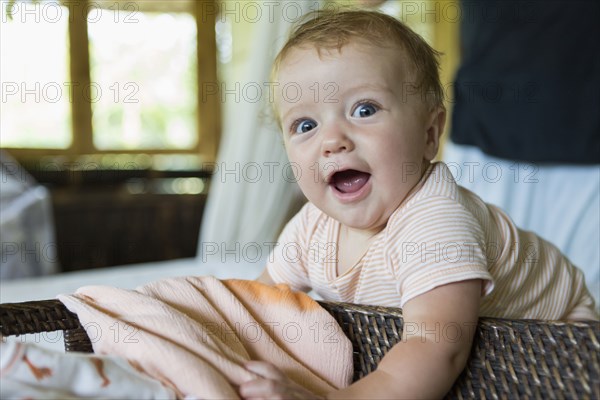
(438, 332)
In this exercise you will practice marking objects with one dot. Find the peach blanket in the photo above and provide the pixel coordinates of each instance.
(195, 333)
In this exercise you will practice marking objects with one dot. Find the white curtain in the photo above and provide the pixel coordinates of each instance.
(253, 191)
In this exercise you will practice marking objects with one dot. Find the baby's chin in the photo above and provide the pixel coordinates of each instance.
(363, 223)
(354, 216)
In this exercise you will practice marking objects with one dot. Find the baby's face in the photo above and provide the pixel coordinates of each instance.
(356, 134)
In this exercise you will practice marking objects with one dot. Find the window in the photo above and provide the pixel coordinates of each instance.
(88, 78)
(33, 102)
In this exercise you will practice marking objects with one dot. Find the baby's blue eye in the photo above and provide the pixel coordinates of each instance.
(364, 110)
(304, 126)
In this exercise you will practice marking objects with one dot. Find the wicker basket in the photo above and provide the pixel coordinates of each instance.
(509, 359)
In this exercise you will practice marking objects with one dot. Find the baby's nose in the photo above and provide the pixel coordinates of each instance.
(336, 141)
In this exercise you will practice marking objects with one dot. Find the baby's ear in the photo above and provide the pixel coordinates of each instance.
(435, 123)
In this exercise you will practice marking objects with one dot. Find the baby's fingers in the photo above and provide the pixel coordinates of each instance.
(266, 387)
(265, 369)
(273, 384)
(261, 389)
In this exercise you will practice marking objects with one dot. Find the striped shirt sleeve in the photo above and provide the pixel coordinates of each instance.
(435, 242)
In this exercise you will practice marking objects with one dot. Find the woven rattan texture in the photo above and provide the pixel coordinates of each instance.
(510, 358)
(44, 316)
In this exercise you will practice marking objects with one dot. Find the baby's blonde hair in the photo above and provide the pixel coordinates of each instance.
(332, 29)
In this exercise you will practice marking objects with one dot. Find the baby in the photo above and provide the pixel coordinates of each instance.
(361, 109)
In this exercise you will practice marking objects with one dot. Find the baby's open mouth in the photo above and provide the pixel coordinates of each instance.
(349, 181)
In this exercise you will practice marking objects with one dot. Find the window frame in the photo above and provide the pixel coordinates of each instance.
(208, 107)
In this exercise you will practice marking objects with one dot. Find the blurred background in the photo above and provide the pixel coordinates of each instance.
(139, 131)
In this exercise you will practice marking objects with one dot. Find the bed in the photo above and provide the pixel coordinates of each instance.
(509, 359)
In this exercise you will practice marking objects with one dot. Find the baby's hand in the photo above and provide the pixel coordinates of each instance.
(273, 384)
